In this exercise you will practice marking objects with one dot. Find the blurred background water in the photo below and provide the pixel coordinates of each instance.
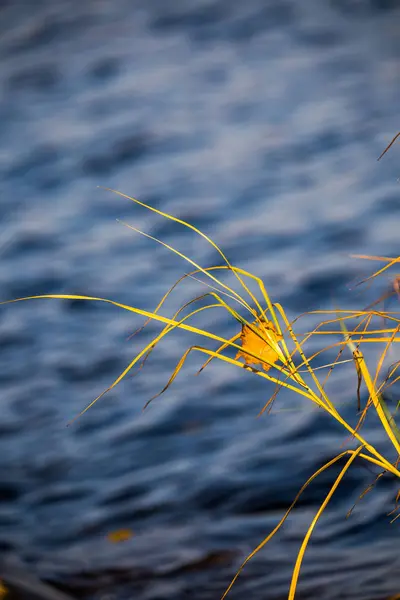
(259, 122)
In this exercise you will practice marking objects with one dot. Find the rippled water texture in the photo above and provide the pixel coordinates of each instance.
(260, 122)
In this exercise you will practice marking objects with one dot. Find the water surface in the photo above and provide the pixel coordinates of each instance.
(260, 123)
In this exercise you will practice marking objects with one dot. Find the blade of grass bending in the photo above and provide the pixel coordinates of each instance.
(189, 260)
(303, 547)
(283, 519)
(138, 311)
(236, 298)
(212, 287)
(193, 228)
(333, 364)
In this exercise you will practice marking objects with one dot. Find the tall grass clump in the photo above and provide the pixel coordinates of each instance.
(266, 343)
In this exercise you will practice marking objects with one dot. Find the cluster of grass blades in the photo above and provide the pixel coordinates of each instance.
(266, 344)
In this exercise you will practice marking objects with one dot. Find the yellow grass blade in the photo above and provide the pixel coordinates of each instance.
(303, 547)
(285, 516)
(138, 311)
(193, 228)
(192, 262)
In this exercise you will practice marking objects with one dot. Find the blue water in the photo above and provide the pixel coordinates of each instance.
(259, 122)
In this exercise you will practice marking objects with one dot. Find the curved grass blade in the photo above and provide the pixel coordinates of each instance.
(285, 516)
(193, 228)
(192, 262)
(303, 547)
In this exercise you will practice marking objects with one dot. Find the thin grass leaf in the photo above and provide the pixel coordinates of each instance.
(389, 145)
(306, 539)
(289, 510)
(190, 261)
(193, 228)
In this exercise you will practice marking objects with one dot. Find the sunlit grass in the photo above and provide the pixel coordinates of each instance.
(268, 344)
